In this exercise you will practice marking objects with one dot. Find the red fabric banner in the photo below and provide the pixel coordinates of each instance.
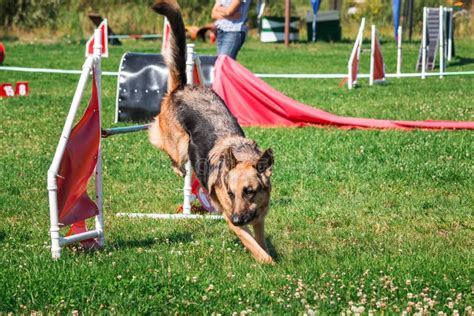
(379, 66)
(77, 166)
(255, 103)
(355, 64)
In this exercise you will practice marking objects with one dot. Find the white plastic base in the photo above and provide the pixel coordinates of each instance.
(168, 216)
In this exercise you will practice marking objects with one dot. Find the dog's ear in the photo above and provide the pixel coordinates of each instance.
(265, 163)
(227, 162)
(229, 159)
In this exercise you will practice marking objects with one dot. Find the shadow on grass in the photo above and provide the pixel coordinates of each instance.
(273, 252)
(2, 236)
(461, 61)
(173, 238)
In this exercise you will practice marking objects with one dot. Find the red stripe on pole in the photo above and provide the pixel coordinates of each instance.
(104, 41)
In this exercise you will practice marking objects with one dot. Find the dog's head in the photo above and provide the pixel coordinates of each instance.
(244, 192)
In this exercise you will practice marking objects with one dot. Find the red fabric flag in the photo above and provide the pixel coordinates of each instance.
(77, 166)
(379, 66)
(355, 64)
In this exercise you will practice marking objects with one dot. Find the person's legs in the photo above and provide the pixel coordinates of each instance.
(229, 43)
(240, 39)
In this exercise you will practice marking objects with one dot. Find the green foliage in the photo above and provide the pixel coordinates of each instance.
(68, 18)
(29, 13)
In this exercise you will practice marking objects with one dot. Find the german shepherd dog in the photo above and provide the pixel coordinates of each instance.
(194, 123)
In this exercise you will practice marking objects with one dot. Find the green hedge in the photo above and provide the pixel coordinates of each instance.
(68, 18)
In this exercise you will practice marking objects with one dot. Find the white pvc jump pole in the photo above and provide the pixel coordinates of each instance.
(450, 34)
(372, 56)
(99, 219)
(399, 51)
(355, 50)
(423, 45)
(442, 53)
(189, 169)
(56, 240)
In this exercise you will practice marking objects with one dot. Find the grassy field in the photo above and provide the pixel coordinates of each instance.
(361, 220)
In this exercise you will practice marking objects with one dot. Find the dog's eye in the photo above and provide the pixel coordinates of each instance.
(249, 193)
(231, 195)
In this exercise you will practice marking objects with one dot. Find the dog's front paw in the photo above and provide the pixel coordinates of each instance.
(265, 259)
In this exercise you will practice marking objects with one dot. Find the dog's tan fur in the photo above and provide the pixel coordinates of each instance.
(195, 124)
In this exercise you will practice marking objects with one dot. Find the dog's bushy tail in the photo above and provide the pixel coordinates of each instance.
(175, 55)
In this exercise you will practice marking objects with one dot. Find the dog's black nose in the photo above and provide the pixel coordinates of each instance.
(242, 219)
(237, 220)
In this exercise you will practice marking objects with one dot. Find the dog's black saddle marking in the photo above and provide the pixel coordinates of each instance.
(143, 82)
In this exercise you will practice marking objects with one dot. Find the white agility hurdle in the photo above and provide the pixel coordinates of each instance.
(57, 242)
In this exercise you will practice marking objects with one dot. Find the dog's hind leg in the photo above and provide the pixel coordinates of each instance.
(170, 137)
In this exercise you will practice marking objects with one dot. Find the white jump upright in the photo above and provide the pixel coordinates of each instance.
(99, 219)
(399, 51)
(372, 52)
(57, 241)
(442, 52)
(450, 33)
(189, 169)
(355, 55)
(424, 40)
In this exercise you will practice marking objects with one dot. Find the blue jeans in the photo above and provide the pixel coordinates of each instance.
(229, 43)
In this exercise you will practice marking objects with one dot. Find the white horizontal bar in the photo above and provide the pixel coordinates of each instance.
(122, 36)
(79, 237)
(287, 76)
(52, 71)
(303, 76)
(168, 216)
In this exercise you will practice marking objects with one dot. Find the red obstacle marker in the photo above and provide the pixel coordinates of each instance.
(22, 88)
(2, 53)
(103, 41)
(6, 90)
(377, 66)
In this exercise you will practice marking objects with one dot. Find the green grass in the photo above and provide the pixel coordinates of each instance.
(363, 218)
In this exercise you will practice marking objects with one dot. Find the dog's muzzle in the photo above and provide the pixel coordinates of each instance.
(243, 219)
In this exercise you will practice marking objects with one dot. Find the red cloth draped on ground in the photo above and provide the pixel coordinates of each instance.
(255, 103)
(77, 166)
